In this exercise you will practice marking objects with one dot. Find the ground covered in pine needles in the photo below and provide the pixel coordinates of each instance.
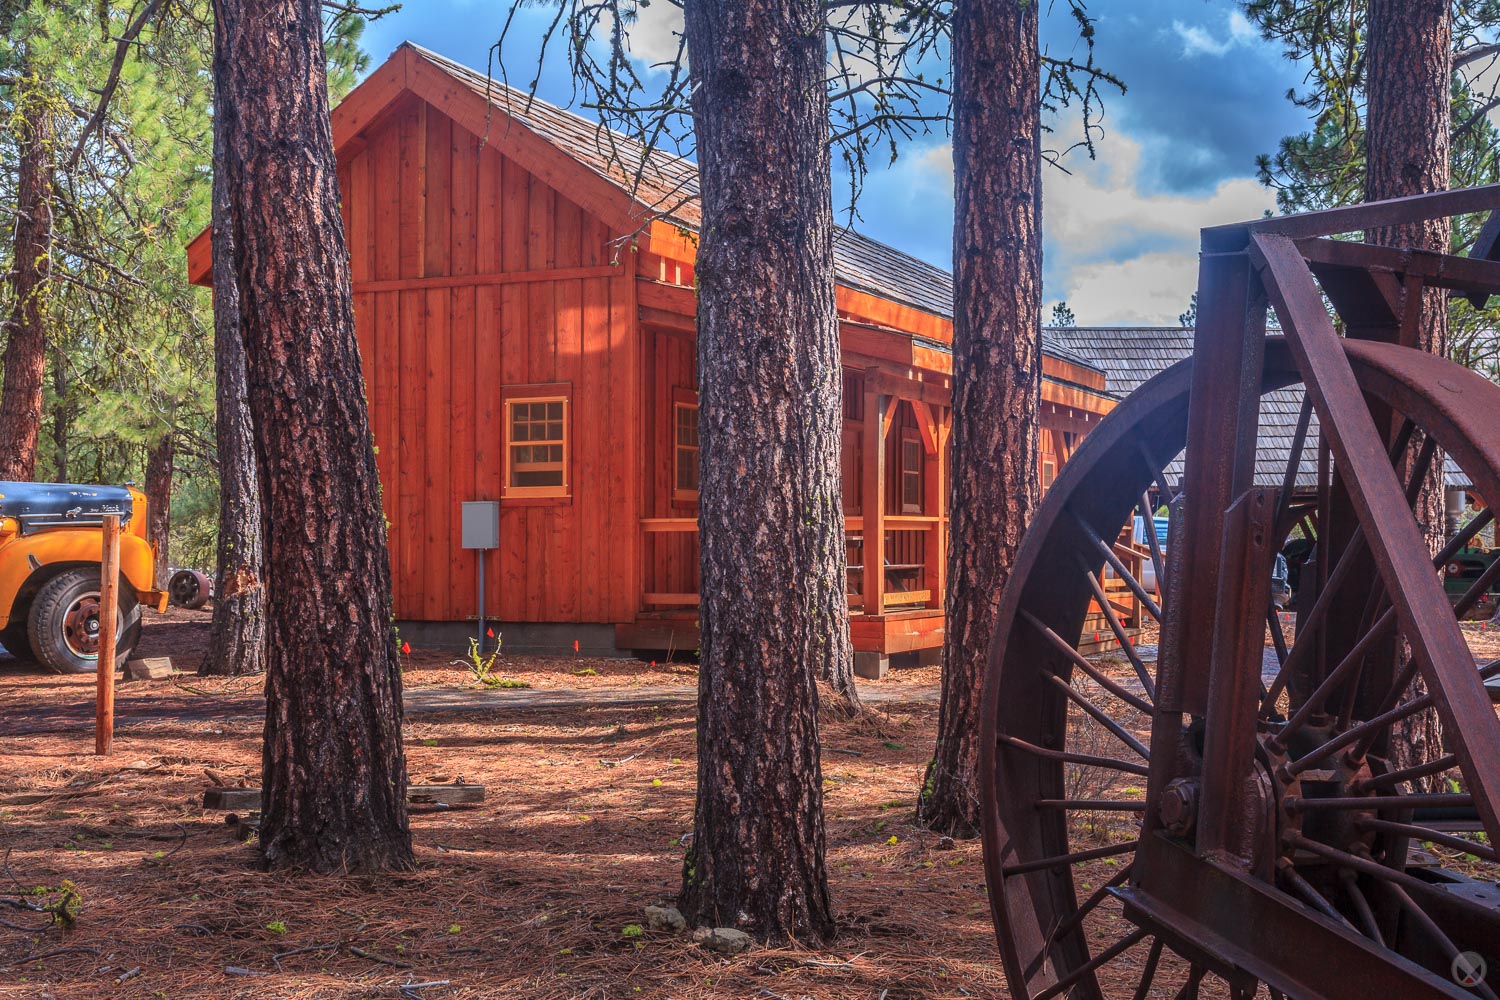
(538, 892)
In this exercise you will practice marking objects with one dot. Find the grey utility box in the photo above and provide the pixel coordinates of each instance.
(481, 524)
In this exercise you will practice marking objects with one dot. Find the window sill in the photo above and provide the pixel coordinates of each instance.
(559, 501)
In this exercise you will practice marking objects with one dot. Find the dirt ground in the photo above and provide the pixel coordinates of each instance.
(535, 893)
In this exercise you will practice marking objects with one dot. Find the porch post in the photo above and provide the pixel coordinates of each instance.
(872, 498)
(934, 499)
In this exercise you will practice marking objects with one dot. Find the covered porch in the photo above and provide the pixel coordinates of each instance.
(897, 387)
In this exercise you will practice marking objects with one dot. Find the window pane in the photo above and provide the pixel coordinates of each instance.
(554, 432)
(543, 477)
(554, 410)
(521, 432)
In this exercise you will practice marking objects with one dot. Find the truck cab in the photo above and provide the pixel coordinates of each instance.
(51, 543)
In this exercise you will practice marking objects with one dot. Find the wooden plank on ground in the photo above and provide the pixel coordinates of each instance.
(238, 799)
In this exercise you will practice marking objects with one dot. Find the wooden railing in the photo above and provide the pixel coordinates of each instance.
(908, 561)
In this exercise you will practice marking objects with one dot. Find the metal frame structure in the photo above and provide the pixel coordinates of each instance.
(1275, 848)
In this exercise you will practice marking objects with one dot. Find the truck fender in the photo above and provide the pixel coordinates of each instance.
(39, 556)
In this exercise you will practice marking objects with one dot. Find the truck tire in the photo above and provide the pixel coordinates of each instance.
(64, 623)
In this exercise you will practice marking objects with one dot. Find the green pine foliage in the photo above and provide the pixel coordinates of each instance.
(130, 356)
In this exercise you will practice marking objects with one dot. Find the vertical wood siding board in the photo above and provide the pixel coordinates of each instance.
(438, 215)
(625, 449)
(464, 160)
(463, 445)
(487, 212)
(386, 191)
(513, 525)
(593, 453)
(563, 588)
(437, 493)
(357, 203)
(563, 591)
(412, 441)
(539, 225)
(413, 191)
(386, 419)
(514, 215)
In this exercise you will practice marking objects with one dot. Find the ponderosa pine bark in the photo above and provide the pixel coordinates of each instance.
(25, 358)
(1408, 79)
(237, 638)
(333, 768)
(997, 374)
(160, 463)
(773, 612)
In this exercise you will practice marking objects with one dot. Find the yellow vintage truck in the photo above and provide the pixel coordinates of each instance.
(51, 542)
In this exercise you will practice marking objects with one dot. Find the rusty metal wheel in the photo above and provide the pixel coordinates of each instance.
(1124, 858)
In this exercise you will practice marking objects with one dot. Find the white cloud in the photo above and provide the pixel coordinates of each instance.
(1198, 40)
(1116, 253)
(655, 33)
(1122, 255)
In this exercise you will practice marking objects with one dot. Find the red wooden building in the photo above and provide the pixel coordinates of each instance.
(520, 345)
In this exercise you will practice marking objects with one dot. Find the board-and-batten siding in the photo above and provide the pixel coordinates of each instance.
(423, 199)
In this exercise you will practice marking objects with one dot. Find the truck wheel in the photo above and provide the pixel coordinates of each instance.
(64, 623)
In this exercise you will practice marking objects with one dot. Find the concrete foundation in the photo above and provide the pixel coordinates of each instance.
(871, 666)
(534, 638)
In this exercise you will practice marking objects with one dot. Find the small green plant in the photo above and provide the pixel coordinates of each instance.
(586, 672)
(482, 666)
(276, 927)
(632, 931)
(454, 929)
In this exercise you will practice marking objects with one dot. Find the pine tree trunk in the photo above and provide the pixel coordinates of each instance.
(774, 616)
(62, 416)
(25, 358)
(1409, 71)
(333, 770)
(160, 462)
(997, 375)
(237, 639)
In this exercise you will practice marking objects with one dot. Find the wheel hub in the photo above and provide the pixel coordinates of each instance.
(81, 626)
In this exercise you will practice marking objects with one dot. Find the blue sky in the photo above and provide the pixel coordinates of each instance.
(1206, 95)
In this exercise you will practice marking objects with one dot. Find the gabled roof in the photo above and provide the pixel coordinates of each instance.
(667, 184)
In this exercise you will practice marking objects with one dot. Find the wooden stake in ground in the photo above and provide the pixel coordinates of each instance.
(333, 769)
(109, 604)
(997, 368)
(774, 613)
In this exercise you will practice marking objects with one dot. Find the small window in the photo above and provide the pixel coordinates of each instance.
(684, 445)
(536, 441)
(1049, 473)
(911, 471)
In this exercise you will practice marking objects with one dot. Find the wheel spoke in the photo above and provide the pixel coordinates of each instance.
(1093, 805)
(1126, 645)
(1068, 757)
(1087, 968)
(1107, 551)
(1361, 906)
(1309, 630)
(1444, 942)
(1294, 460)
(1064, 860)
(1369, 802)
(1312, 895)
(1423, 833)
(1331, 683)
(1072, 920)
(1158, 561)
(1101, 716)
(1082, 663)
(1148, 974)
(1393, 778)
